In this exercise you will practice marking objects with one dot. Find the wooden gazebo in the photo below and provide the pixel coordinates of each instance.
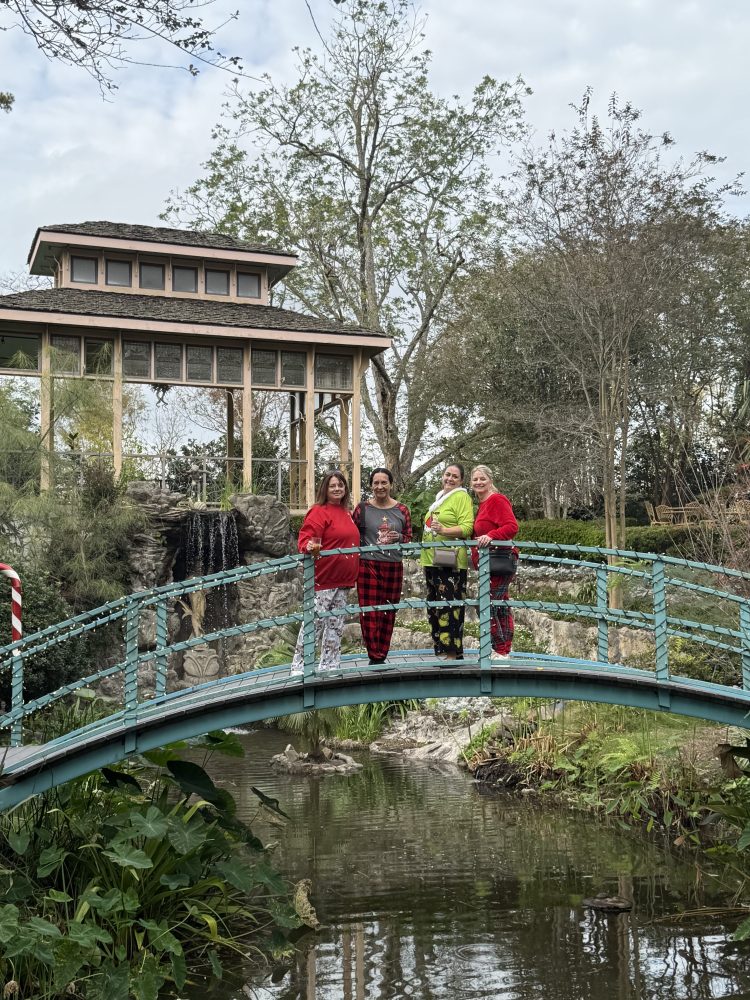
(171, 307)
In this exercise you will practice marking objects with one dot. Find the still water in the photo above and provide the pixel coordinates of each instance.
(429, 886)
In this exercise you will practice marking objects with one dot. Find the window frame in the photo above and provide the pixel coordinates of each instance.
(217, 270)
(186, 267)
(91, 260)
(250, 274)
(152, 263)
(118, 284)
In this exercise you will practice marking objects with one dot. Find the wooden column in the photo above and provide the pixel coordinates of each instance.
(247, 424)
(310, 429)
(356, 427)
(294, 427)
(230, 436)
(46, 415)
(344, 431)
(117, 406)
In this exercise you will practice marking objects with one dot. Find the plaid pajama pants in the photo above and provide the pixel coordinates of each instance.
(501, 621)
(379, 582)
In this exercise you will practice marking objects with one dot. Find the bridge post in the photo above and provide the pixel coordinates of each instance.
(16, 697)
(660, 620)
(308, 620)
(745, 629)
(485, 620)
(160, 659)
(602, 638)
(130, 685)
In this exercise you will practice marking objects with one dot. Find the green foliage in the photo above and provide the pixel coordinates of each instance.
(365, 723)
(667, 540)
(114, 883)
(43, 605)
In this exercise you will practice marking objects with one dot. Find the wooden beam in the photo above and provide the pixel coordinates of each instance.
(357, 428)
(247, 423)
(46, 415)
(310, 429)
(230, 436)
(117, 405)
(343, 431)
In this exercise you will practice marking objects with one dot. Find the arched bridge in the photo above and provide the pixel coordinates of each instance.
(719, 597)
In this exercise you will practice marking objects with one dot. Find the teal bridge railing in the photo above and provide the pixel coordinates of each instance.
(142, 721)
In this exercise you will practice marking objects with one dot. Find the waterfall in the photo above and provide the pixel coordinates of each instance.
(211, 545)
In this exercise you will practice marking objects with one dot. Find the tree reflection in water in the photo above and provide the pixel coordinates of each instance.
(430, 888)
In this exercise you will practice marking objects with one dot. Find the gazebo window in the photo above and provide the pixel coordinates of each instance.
(229, 365)
(248, 285)
(333, 371)
(66, 354)
(185, 279)
(199, 364)
(293, 368)
(119, 272)
(152, 276)
(19, 351)
(263, 367)
(217, 282)
(83, 269)
(168, 362)
(136, 359)
(98, 357)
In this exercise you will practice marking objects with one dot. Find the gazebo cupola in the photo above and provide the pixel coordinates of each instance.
(171, 307)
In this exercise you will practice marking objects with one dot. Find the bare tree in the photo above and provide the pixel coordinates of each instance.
(603, 234)
(98, 35)
(383, 187)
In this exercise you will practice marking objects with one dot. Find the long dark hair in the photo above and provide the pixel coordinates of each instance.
(321, 497)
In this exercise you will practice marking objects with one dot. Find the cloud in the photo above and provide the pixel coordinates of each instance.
(70, 156)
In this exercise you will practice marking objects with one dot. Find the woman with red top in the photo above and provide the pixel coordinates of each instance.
(494, 522)
(328, 525)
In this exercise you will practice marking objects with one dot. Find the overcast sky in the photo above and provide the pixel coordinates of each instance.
(67, 156)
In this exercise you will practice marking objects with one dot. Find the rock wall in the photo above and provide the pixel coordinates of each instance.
(263, 532)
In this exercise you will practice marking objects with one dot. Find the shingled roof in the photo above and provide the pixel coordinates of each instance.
(158, 234)
(159, 308)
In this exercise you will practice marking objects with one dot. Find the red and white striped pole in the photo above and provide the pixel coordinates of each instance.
(16, 629)
(16, 633)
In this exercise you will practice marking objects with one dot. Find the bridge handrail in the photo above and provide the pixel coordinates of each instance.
(128, 609)
(115, 610)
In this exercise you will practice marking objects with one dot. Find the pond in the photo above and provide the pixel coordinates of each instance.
(430, 886)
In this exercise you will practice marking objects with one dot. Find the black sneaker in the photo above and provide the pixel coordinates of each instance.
(374, 662)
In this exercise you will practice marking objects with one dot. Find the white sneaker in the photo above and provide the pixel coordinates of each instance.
(296, 671)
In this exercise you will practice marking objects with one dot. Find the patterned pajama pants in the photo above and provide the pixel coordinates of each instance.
(446, 624)
(501, 622)
(379, 582)
(328, 631)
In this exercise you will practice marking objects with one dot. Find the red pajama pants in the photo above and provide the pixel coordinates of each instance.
(378, 583)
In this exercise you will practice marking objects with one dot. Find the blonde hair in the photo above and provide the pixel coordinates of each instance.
(484, 469)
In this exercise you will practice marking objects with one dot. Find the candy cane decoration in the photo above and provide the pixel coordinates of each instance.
(15, 600)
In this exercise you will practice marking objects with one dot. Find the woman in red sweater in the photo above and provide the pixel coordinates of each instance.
(494, 522)
(329, 525)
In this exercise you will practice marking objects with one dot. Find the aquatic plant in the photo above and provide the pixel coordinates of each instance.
(116, 884)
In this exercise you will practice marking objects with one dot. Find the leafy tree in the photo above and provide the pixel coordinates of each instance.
(384, 190)
(604, 234)
(97, 36)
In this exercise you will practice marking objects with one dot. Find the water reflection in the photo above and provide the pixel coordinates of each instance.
(429, 888)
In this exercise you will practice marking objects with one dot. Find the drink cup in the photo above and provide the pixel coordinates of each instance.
(316, 544)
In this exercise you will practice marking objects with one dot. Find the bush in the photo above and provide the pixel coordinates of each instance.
(42, 606)
(667, 540)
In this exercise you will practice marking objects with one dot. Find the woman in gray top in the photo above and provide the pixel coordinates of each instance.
(381, 521)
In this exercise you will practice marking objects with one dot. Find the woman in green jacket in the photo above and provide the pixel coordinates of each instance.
(449, 518)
